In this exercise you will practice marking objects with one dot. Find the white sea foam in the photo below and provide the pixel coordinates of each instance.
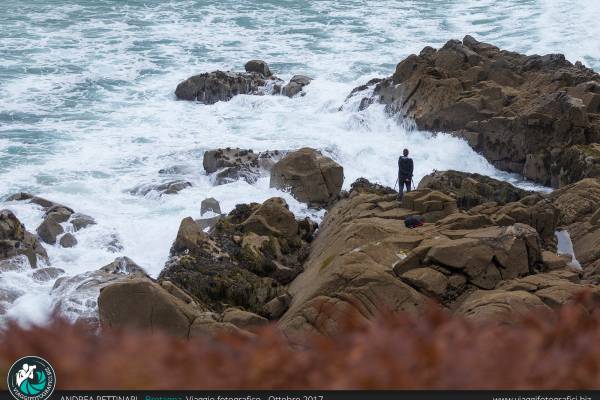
(87, 110)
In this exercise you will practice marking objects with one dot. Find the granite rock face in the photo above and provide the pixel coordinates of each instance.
(534, 115)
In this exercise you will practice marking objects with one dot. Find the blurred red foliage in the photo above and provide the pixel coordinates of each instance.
(434, 350)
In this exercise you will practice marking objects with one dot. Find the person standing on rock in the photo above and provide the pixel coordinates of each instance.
(405, 173)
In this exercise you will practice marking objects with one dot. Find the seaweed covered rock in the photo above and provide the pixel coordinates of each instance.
(211, 87)
(535, 115)
(245, 260)
(472, 189)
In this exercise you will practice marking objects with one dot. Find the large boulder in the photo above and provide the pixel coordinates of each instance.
(77, 295)
(17, 242)
(211, 87)
(143, 304)
(258, 66)
(311, 177)
(534, 115)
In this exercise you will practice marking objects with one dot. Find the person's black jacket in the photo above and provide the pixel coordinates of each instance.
(405, 168)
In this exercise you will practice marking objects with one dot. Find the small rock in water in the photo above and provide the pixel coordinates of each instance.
(47, 274)
(68, 240)
(81, 221)
(174, 170)
(49, 230)
(295, 85)
(171, 187)
(210, 204)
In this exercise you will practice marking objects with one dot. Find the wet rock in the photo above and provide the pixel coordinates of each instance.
(209, 88)
(78, 294)
(47, 274)
(533, 115)
(113, 243)
(171, 187)
(32, 199)
(175, 170)
(208, 223)
(258, 66)
(295, 85)
(58, 214)
(210, 205)
(235, 164)
(49, 230)
(81, 221)
(311, 177)
(578, 205)
(15, 241)
(68, 240)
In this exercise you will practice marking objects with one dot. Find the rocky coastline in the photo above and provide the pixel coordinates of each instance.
(488, 251)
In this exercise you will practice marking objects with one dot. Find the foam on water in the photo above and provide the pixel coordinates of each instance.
(87, 110)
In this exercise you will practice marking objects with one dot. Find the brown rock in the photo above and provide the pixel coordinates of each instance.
(501, 306)
(49, 230)
(68, 240)
(427, 279)
(533, 115)
(472, 189)
(143, 304)
(243, 319)
(311, 177)
(15, 241)
(272, 218)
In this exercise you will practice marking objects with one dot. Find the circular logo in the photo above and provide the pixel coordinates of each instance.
(31, 378)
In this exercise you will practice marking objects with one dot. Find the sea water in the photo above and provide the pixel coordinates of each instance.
(87, 110)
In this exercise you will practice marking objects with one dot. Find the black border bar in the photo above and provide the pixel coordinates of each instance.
(320, 395)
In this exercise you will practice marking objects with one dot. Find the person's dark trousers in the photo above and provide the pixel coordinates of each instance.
(403, 183)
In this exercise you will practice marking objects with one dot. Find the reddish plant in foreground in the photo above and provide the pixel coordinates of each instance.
(433, 350)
